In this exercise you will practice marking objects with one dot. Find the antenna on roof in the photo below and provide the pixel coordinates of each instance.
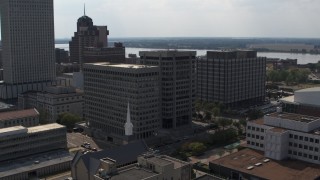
(84, 9)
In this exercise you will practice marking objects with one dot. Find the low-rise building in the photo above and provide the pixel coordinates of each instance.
(19, 141)
(26, 118)
(252, 164)
(284, 135)
(54, 101)
(148, 167)
(304, 101)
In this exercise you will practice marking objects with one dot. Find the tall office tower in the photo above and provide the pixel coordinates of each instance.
(108, 90)
(234, 78)
(87, 35)
(27, 31)
(178, 84)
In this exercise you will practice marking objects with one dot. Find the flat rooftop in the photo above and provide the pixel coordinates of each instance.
(286, 169)
(28, 164)
(46, 127)
(18, 114)
(129, 66)
(12, 130)
(294, 117)
(133, 173)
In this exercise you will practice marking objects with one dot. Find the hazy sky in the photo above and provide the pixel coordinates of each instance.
(193, 18)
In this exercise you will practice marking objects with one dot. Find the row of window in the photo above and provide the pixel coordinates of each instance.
(311, 148)
(255, 136)
(311, 157)
(302, 138)
(255, 144)
(255, 128)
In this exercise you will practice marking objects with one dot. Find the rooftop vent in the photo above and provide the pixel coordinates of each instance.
(266, 160)
(250, 167)
(258, 164)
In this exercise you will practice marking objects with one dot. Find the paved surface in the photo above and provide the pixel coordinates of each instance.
(75, 140)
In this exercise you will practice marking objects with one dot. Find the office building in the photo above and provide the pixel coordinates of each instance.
(284, 135)
(62, 56)
(108, 90)
(234, 78)
(252, 164)
(26, 118)
(178, 85)
(19, 141)
(54, 100)
(27, 46)
(104, 54)
(1, 60)
(304, 101)
(87, 35)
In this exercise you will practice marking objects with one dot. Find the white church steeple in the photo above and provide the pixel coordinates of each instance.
(128, 126)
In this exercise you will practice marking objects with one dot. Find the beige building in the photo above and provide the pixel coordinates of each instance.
(19, 141)
(148, 167)
(108, 90)
(26, 118)
(178, 85)
(54, 100)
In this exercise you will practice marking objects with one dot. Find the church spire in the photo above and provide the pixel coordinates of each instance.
(128, 126)
(84, 9)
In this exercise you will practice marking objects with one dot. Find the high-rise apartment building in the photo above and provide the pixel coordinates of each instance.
(178, 84)
(87, 35)
(27, 31)
(234, 78)
(108, 90)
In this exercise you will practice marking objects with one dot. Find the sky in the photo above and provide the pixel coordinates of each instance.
(193, 18)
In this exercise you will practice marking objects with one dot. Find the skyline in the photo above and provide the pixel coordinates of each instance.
(229, 18)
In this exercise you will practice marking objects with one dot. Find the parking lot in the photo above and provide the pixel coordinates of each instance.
(84, 142)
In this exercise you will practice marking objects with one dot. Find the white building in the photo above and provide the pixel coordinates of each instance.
(285, 135)
(27, 30)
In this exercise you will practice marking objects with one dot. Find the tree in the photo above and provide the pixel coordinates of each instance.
(69, 120)
(223, 122)
(197, 148)
(255, 114)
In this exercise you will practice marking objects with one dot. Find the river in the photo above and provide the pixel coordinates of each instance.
(302, 58)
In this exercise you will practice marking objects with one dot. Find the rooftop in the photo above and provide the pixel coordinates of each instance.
(247, 160)
(277, 129)
(12, 130)
(46, 127)
(18, 114)
(294, 117)
(28, 164)
(131, 66)
(133, 174)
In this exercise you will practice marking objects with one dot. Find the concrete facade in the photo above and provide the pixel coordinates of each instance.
(178, 85)
(104, 54)
(27, 41)
(26, 118)
(284, 135)
(234, 78)
(148, 167)
(19, 141)
(54, 100)
(108, 89)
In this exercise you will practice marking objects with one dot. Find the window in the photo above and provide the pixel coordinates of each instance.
(305, 147)
(290, 136)
(295, 136)
(249, 127)
(248, 135)
(299, 153)
(306, 138)
(290, 143)
(310, 148)
(311, 140)
(300, 138)
(262, 130)
(289, 152)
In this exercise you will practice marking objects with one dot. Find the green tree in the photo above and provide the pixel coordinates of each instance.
(255, 114)
(43, 116)
(197, 148)
(69, 120)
